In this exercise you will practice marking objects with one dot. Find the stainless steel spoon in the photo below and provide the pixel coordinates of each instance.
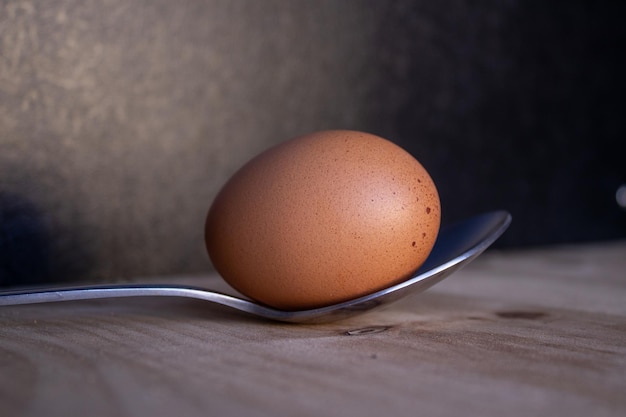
(456, 246)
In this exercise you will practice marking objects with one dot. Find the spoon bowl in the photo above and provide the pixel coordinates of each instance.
(456, 246)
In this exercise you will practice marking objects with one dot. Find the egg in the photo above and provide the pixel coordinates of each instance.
(323, 218)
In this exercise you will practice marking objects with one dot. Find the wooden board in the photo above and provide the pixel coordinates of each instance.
(537, 332)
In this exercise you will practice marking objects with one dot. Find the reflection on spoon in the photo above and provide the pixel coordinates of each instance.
(456, 246)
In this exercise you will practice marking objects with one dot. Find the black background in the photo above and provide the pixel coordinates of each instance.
(516, 105)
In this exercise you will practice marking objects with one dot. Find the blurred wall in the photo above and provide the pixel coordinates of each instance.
(120, 120)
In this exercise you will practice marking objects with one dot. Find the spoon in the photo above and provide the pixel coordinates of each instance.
(456, 246)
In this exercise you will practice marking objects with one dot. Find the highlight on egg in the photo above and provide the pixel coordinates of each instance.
(323, 218)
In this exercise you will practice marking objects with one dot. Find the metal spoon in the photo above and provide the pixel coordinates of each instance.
(456, 246)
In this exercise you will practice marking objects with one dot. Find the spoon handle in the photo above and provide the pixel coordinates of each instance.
(113, 291)
(134, 290)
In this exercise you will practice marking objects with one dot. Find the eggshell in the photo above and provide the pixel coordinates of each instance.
(323, 218)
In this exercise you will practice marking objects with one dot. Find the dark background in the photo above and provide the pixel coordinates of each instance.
(120, 121)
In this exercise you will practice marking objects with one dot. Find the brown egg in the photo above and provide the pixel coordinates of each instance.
(323, 218)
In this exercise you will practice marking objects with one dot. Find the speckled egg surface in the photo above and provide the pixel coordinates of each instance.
(323, 218)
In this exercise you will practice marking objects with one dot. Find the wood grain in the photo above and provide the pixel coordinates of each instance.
(538, 332)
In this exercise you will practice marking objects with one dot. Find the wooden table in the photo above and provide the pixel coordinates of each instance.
(526, 333)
